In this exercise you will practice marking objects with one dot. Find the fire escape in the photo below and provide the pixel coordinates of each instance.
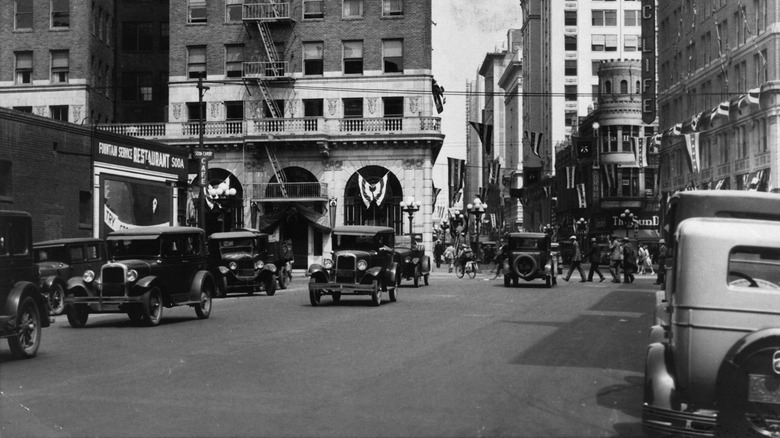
(262, 16)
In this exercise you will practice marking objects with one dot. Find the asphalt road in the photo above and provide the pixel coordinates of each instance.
(457, 358)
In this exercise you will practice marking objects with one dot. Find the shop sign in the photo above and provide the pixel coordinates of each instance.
(142, 158)
(643, 223)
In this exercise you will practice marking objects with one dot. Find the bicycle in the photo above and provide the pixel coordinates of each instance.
(469, 267)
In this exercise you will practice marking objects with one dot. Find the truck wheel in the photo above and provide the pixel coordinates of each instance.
(270, 286)
(28, 319)
(77, 315)
(376, 293)
(56, 300)
(314, 294)
(152, 307)
(203, 309)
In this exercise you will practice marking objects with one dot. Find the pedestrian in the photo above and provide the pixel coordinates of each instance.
(629, 261)
(662, 254)
(438, 250)
(594, 256)
(500, 257)
(648, 266)
(641, 254)
(576, 260)
(449, 256)
(615, 258)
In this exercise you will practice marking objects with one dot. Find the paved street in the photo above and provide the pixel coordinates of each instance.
(461, 357)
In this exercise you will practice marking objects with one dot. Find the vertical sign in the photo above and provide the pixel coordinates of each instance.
(648, 61)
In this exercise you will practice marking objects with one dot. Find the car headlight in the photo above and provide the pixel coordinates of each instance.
(415, 260)
(132, 275)
(327, 263)
(362, 265)
(233, 266)
(88, 276)
(259, 264)
(408, 259)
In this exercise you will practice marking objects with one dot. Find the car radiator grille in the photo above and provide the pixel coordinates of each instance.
(113, 281)
(345, 268)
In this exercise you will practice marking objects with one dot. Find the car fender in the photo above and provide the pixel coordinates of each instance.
(146, 283)
(224, 270)
(741, 351)
(49, 282)
(201, 278)
(76, 286)
(373, 273)
(22, 290)
(659, 380)
(426, 265)
(392, 273)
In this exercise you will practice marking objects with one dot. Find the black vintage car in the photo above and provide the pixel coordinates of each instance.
(59, 260)
(528, 257)
(23, 309)
(363, 263)
(411, 259)
(150, 268)
(245, 260)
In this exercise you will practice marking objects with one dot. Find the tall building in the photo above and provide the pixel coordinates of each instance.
(717, 95)
(560, 82)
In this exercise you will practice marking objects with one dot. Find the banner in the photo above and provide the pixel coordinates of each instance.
(583, 202)
(640, 151)
(372, 192)
(456, 176)
(692, 145)
(538, 143)
(570, 170)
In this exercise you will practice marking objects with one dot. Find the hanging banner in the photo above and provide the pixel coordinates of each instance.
(648, 61)
(583, 202)
(570, 170)
(692, 145)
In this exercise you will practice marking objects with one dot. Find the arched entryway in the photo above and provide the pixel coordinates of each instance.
(371, 197)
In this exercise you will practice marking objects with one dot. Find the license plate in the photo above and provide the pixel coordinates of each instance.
(764, 389)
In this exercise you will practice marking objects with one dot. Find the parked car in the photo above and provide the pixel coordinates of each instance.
(247, 261)
(150, 268)
(59, 260)
(713, 368)
(363, 263)
(23, 309)
(412, 261)
(529, 257)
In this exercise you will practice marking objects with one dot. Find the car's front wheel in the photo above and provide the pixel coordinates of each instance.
(417, 276)
(285, 277)
(28, 319)
(270, 286)
(57, 299)
(152, 307)
(77, 315)
(314, 293)
(376, 293)
(203, 309)
(392, 294)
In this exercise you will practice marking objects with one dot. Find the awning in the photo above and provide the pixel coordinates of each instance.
(647, 235)
(268, 222)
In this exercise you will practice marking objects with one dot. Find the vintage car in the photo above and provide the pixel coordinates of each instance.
(245, 260)
(713, 367)
(412, 261)
(23, 309)
(363, 263)
(149, 268)
(59, 260)
(528, 257)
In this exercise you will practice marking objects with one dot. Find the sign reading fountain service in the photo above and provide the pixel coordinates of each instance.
(166, 161)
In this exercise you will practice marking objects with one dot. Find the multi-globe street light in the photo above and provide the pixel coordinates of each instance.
(628, 219)
(477, 209)
(410, 206)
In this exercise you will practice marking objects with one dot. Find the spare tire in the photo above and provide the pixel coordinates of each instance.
(524, 265)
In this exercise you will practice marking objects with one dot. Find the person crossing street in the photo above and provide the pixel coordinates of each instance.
(576, 261)
(594, 256)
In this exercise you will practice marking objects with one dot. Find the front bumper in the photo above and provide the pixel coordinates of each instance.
(663, 422)
(342, 288)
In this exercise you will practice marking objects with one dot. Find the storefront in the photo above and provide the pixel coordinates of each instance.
(137, 184)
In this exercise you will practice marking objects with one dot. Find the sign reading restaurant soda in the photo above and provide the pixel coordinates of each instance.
(167, 160)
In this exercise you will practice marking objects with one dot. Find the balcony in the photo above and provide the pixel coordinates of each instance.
(299, 191)
(266, 70)
(266, 11)
(301, 128)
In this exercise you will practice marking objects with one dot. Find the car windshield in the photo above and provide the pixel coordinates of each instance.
(403, 241)
(754, 267)
(134, 248)
(56, 253)
(236, 245)
(366, 242)
(527, 243)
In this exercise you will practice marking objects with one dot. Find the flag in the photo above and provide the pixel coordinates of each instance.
(372, 192)
(695, 121)
(723, 110)
(746, 181)
(534, 147)
(583, 202)
(754, 96)
(692, 144)
(677, 129)
(456, 169)
(365, 191)
(640, 151)
(608, 177)
(438, 96)
(719, 184)
(570, 171)
(756, 181)
(537, 143)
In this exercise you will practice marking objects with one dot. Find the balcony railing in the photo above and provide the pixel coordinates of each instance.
(266, 11)
(294, 190)
(266, 70)
(301, 126)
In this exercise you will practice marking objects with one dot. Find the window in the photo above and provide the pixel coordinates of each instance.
(137, 37)
(393, 56)
(604, 18)
(24, 109)
(59, 67)
(611, 43)
(59, 112)
(570, 118)
(85, 214)
(165, 34)
(624, 87)
(392, 8)
(234, 110)
(60, 14)
(196, 62)
(23, 15)
(607, 87)
(353, 57)
(570, 68)
(195, 111)
(570, 42)
(570, 93)
(595, 65)
(353, 107)
(312, 110)
(394, 113)
(631, 18)
(597, 43)
(278, 107)
(352, 9)
(137, 86)
(631, 43)
(6, 180)
(234, 61)
(196, 11)
(312, 9)
(312, 58)
(233, 10)
(24, 67)
(570, 18)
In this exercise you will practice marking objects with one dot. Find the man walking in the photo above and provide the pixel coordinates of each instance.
(576, 260)
(594, 256)
(662, 253)
(629, 261)
(615, 259)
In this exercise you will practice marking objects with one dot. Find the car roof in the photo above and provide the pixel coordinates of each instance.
(527, 235)
(66, 241)
(235, 235)
(361, 230)
(154, 231)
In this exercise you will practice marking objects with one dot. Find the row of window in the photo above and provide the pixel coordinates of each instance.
(59, 14)
(313, 59)
(59, 66)
(235, 10)
(608, 17)
(604, 43)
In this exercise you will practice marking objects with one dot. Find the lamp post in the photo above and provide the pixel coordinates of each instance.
(445, 225)
(581, 228)
(204, 163)
(410, 207)
(628, 220)
(477, 209)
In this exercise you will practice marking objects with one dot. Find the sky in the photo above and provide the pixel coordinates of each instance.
(463, 32)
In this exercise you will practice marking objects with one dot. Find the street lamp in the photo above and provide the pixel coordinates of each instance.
(477, 209)
(410, 206)
(445, 224)
(628, 220)
(581, 228)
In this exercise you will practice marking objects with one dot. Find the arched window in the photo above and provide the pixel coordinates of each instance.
(623, 87)
(608, 87)
(638, 87)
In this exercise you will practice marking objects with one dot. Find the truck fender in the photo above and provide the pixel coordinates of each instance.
(20, 291)
(271, 267)
(659, 380)
(740, 352)
(201, 278)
